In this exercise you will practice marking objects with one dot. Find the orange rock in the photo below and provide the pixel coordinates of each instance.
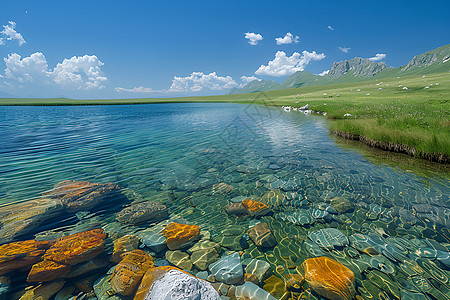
(256, 208)
(329, 278)
(47, 271)
(77, 248)
(21, 254)
(128, 273)
(179, 234)
(122, 245)
(150, 276)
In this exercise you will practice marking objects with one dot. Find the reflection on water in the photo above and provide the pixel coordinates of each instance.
(191, 185)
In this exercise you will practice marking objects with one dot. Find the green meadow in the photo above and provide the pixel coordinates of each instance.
(413, 111)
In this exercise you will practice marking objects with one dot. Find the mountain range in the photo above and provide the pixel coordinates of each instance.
(355, 70)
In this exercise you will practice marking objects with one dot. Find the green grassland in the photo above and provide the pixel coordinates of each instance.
(380, 110)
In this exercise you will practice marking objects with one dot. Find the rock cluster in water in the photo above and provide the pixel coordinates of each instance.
(282, 244)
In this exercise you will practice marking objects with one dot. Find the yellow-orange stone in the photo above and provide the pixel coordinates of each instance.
(47, 270)
(178, 234)
(255, 207)
(329, 278)
(77, 248)
(21, 254)
(128, 273)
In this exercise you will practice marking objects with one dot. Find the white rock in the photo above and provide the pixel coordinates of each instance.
(380, 89)
(405, 88)
(176, 285)
(347, 115)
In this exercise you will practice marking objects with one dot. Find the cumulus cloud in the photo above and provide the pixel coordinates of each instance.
(284, 65)
(344, 49)
(329, 27)
(378, 57)
(198, 81)
(253, 38)
(11, 34)
(79, 72)
(139, 89)
(289, 38)
(82, 72)
(32, 68)
(324, 73)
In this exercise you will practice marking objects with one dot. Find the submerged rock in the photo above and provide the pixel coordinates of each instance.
(228, 269)
(178, 235)
(328, 238)
(262, 236)
(26, 217)
(144, 212)
(259, 268)
(329, 278)
(82, 195)
(170, 284)
(122, 245)
(47, 270)
(17, 255)
(255, 208)
(179, 259)
(76, 248)
(204, 257)
(154, 240)
(251, 291)
(43, 291)
(128, 273)
(236, 209)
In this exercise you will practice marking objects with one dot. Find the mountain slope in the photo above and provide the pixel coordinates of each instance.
(357, 70)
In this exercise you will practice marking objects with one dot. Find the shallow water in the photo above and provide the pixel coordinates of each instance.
(177, 154)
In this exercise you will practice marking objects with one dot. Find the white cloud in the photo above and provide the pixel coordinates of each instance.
(81, 72)
(286, 65)
(378, 57)
(198, 81)
(11, 34)
(32, 68)
(139, 89)
(247, 79)
(344, 49)
(289, 38)
(253, 38)
(329, 27)
(324, 73)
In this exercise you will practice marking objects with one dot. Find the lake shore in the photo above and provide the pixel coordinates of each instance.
(407, 115)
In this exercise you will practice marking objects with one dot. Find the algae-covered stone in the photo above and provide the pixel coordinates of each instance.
(228, 269)
(328, 238)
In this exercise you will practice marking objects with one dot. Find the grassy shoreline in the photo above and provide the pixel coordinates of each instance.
(408, 114)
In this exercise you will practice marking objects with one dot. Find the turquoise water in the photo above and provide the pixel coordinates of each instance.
(179, 153)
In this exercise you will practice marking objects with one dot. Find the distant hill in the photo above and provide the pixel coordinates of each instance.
(356, 70)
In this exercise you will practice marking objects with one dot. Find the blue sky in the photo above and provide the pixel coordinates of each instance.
(122, 49)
